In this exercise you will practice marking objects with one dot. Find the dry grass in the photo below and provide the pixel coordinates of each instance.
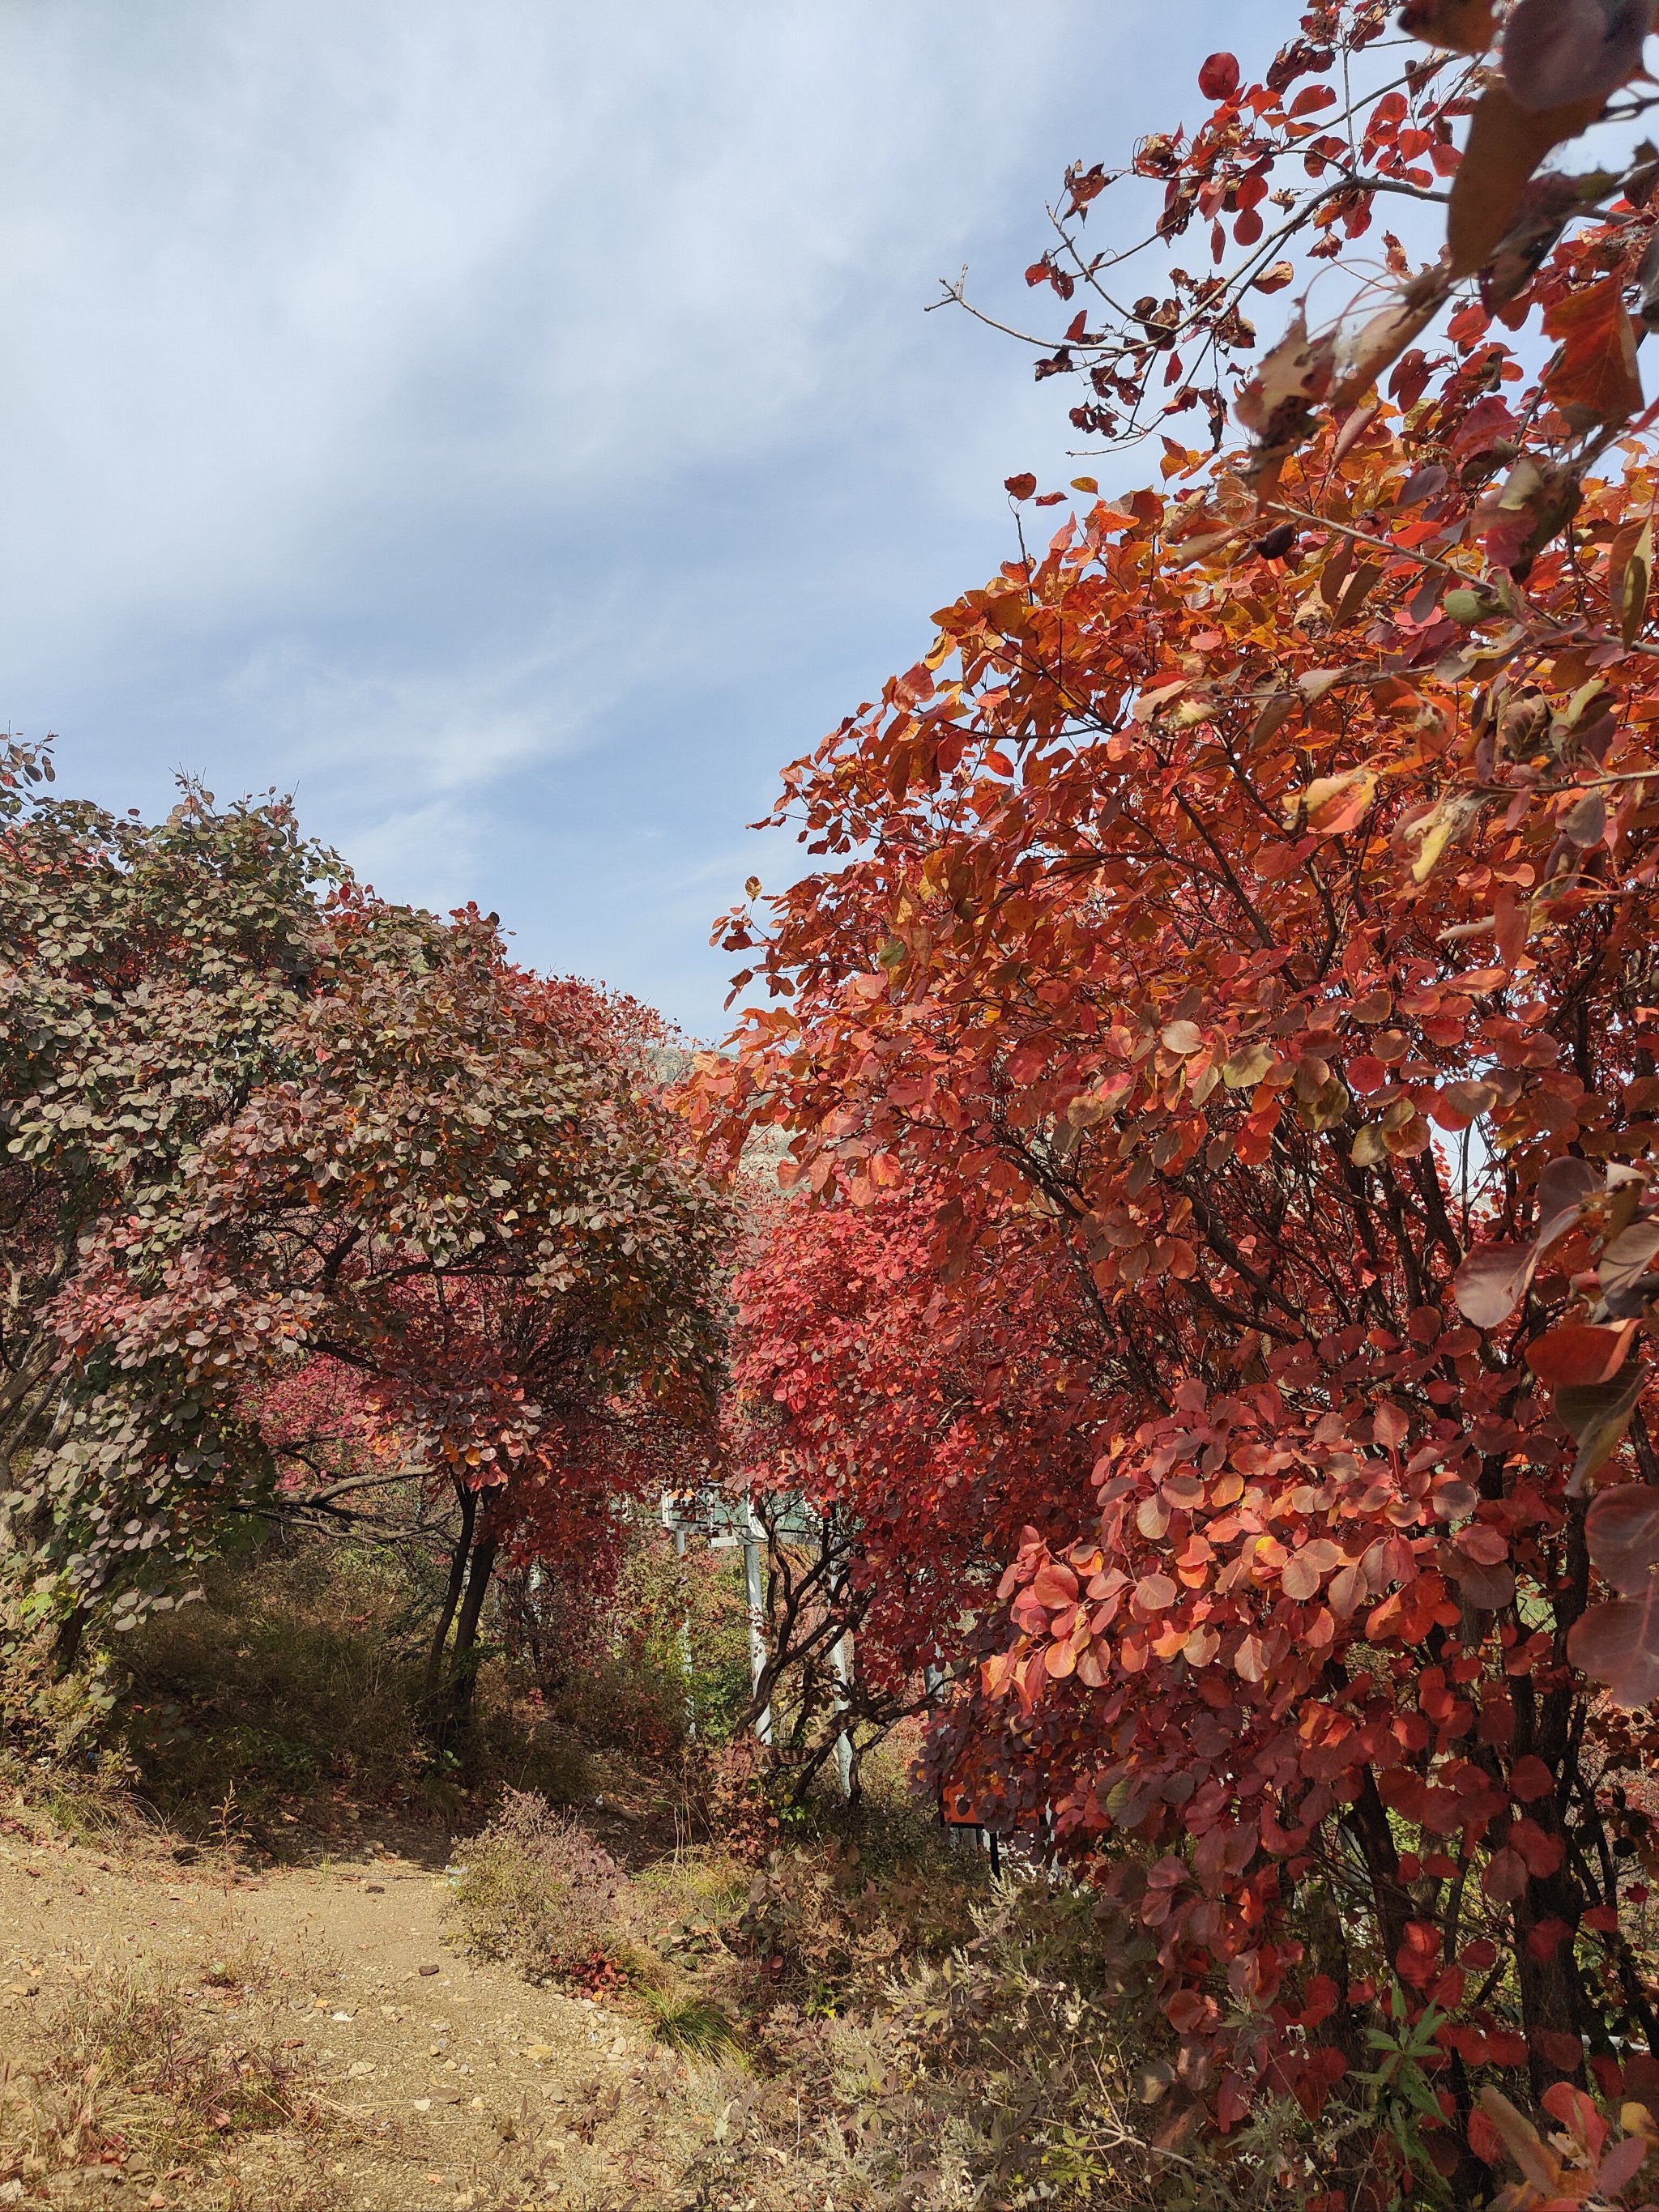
(162, 2077)
(296, 1690)
(538, 1892)
(877, 2029)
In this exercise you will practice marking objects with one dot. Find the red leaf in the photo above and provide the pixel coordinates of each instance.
(1545, 1941)
(1621, 2164)
(1542, 1853)
(1555, 50)
(1530, 1779)
(1622, 1531)
(1490, 1282)
(1219, 78)
(1505, 1877)
(1390, 1424)
(1483, 2137)
(1578, 1355)
(1418, 1953)
(1483, 1544)
(1564, 1189)
(1617, 1643)
(1155, 1592)
(1567, 2053)
(1232, 2102)
(1596, 378)
(1019, 487)
(1055, 1585)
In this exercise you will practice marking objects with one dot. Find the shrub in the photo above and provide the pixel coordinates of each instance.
(1008, 2073)
(831, 1934)
(540, 1892)
(728, 1799)
(287, 1682)
(612, 1666)
(48, 1718)
(298, 1681)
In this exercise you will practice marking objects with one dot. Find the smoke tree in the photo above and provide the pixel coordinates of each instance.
(922, 1472)
(1248, 902)
(316, 1198)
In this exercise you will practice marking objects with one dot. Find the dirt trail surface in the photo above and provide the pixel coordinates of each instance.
(430, 2078)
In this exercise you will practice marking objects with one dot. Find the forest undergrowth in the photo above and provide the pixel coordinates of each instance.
(857, 2013)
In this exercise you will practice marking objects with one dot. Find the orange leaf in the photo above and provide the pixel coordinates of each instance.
(1463, 27)
(1578, 1354)
(1596, 378)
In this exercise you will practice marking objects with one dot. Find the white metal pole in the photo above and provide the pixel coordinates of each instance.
(841, 1659)
(685, 1640)
(751, 1562)
(841, 1666)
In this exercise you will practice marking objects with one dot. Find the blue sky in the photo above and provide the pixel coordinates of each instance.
(514, 427)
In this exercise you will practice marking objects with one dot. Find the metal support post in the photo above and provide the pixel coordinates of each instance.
(685, 1643)
(757, 1654)
(841, 1660)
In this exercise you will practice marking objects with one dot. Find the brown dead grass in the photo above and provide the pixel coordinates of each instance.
(153, 2075)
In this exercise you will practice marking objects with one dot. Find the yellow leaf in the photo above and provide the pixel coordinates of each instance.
(1333, 804)
(1368, 1147)
(1247, 1068)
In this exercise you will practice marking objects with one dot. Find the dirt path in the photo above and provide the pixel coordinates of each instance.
(443, 2079)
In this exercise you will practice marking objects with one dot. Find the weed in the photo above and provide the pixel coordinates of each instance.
(693, 2025)
(538, 1891)
(147, 2073)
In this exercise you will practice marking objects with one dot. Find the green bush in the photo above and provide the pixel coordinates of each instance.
(615, 1670)
(297, 1682)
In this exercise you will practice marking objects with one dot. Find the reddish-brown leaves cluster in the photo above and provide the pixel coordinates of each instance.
(1247, 903)
(308, 1194)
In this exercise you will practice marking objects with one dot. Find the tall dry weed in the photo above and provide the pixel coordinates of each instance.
(148, 2072)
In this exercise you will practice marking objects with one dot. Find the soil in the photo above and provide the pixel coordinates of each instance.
(440, 2080)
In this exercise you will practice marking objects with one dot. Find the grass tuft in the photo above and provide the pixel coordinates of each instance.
(694, 2026)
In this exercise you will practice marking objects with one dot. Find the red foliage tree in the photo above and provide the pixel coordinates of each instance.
(324, 1195)
(1251, 894)
(929, 1468)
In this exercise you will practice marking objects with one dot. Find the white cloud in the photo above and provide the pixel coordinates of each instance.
(514, 421)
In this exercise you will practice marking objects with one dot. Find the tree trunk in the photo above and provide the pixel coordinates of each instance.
(458, 1564)
(464, 1665)
(66, 1644)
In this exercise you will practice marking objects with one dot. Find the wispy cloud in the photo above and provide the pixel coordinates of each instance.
(516, 423)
